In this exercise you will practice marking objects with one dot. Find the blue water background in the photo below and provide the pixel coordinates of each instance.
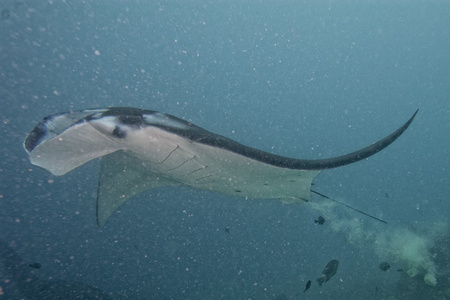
(304, 79)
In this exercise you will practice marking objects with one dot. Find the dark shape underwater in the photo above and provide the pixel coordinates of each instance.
(329, 271)
(320, 220)
(308, 285)
(384, 266)
(144, 149)
(33, 287)
(35, 265)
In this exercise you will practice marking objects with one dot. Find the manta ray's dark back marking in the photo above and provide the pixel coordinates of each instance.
(42, 129)
(128, 115)
(200, 135)
(35, 136)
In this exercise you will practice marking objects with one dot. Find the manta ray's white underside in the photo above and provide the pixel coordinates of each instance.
(142, 150)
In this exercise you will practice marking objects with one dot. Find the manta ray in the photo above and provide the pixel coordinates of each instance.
(144, 149)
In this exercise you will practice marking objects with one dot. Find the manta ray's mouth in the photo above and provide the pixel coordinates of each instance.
(143, 149)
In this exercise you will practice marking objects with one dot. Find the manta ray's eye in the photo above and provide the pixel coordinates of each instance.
(119, 132)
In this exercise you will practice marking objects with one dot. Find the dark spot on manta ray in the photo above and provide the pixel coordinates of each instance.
(384, 266)
(320, 220)
(227, 229)
(35, 265)
(119, 133)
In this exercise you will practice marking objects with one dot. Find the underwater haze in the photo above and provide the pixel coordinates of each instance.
(302, 79)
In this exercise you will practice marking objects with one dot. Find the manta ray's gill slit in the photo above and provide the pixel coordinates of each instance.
(177, 147)
(196, 170)
(186, 161)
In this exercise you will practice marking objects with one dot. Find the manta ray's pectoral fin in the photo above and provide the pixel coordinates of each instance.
(121, 177)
